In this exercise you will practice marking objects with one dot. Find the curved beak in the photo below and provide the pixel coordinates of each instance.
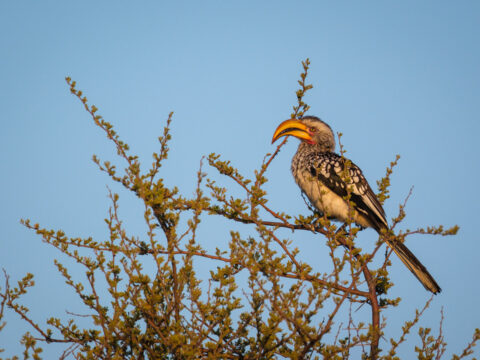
(294, 128)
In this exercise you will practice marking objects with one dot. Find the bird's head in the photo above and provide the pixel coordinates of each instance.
(310, 130)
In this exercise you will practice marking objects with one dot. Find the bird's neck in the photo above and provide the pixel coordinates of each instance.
(305, 148)
(304, 154)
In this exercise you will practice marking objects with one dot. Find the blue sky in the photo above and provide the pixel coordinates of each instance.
(394, 78)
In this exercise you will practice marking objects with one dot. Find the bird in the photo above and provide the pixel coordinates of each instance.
(320, 174)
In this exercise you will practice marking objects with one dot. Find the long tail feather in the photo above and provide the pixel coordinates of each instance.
(415, 266)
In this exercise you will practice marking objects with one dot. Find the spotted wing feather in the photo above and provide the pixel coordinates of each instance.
(329, 169)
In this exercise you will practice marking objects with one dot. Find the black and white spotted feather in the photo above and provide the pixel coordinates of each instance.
(322, 177)
(329, 168)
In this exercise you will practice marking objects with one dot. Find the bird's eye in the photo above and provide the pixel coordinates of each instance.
(313, 130)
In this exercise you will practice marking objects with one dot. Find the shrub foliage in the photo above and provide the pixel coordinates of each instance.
(261, 300)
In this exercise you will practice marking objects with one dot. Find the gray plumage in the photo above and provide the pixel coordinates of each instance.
(320, 174)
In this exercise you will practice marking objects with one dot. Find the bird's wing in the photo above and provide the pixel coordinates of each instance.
(329, 169)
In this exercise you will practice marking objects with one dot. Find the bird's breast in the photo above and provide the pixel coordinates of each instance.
(321, 197)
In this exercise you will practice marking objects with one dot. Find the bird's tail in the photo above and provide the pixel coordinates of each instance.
(415, 266)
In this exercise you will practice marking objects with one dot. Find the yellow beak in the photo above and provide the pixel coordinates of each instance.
(294, 128)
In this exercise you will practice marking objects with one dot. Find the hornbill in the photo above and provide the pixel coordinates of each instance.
(319, 172)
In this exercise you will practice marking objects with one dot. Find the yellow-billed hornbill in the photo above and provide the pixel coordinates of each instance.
(319, 172)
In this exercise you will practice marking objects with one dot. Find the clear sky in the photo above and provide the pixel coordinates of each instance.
(393, 77)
